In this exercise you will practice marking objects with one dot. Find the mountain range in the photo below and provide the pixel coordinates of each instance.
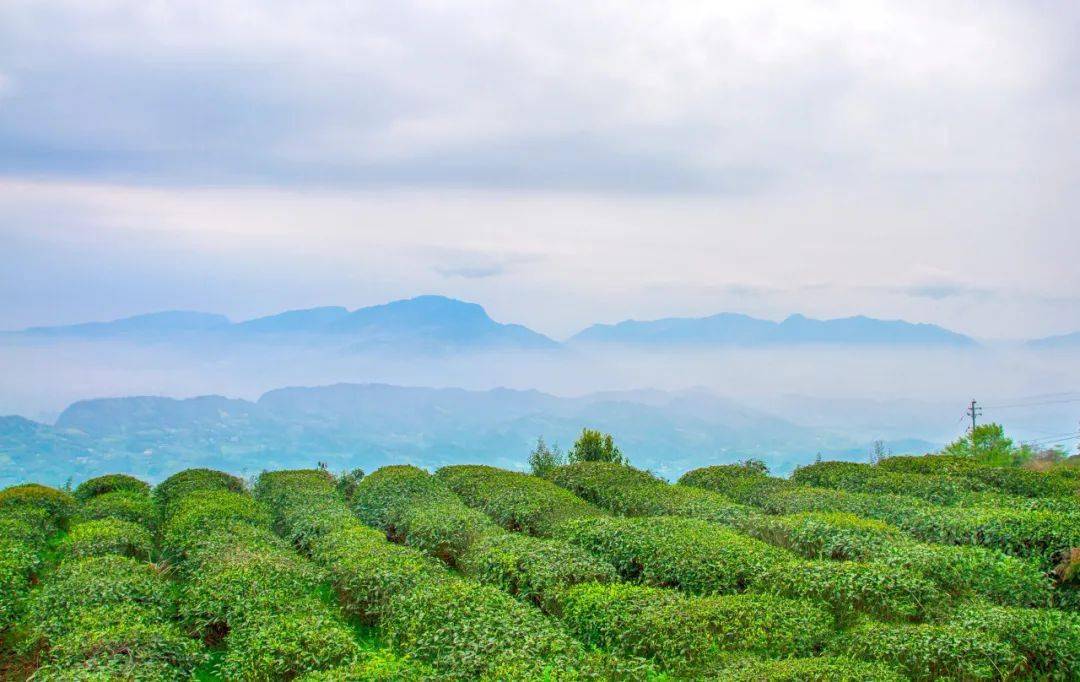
(368, 425)
(441, 323)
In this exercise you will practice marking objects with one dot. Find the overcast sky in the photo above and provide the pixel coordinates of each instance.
(558, 162)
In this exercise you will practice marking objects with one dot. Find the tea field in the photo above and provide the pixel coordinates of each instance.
(916, 568)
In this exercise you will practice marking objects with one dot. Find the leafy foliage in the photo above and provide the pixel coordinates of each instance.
(108, 536)
(110, 483)
(593, 446)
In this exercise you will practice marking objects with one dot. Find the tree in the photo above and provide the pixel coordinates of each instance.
(879, 452)
(988, 444)
(543, 460)
(593, 446)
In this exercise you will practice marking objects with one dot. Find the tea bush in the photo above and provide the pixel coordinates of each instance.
(102, 582)
(817, 669)
(692, 555)
(867, 478)
(626, 491)
(378, 666)
(851, 587)
(123, 505)
(513, 500)
(108, 536)
(689, 634)
(189, 480)
(1049, 639)
(122, 641)
(58, 505)
(110, 483)
(932, 652)
(462, 626)
(533, 569)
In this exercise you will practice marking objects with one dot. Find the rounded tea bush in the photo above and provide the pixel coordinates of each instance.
(283, 646)
(57, 504)
(377, 666)
(533, 569)
(104, 581)
(124, 642)
(107, 536)
(932, 652)
(514, 500)
(110, 483)
(1048, 638)
(190, 480)
(817, 669)
(461, 627)
(123, 505)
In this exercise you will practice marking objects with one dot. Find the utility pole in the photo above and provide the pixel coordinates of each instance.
(973, 411)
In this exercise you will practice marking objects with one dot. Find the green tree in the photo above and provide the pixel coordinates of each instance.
(593, 446)
(988, 444)
(543, 459)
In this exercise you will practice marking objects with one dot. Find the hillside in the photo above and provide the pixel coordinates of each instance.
(596, 571)
(373, 424)
(742, 330)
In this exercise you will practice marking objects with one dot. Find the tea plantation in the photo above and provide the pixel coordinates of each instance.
(917, 568)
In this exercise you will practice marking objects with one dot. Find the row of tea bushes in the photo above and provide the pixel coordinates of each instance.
(658, 623)
(29, 516)
(943, 489)
(1010, 480)
(706, 558)
(1040, 535)
(106, 612)
(245, 587)
(681, 633)
(461, 628)
(962, 571)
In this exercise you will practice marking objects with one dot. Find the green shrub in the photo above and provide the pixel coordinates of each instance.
(27, 525)
(121, 641)
(930, 464)
(1049, 639)
(443, 529)
(513, 500)
(279, 646)
(110, 483)
(190, 519)
(817, 669)
(825, 535)
(107, 582)
(367, 571)
(58, 505)
(867, 478)
(17, 564)
(640, 621)
(627, 491)
(965, 571)
(123, 505)
(687, 634)
(533, 569)
(107, 536)
(189, 480)
(692, 555)
(377, 666)
(851, 587)
(382, 495)
(244, 583)
(932, 652)
(462, 628)
(348, 480)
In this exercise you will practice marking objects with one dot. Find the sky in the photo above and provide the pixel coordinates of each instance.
(561, 163)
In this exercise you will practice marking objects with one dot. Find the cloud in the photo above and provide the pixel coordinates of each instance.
(589, 96)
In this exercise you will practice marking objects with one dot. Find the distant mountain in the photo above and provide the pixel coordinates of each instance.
(742, 330)
(369, 425)
(424, 323)
(1051, 342)
(167, 322)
